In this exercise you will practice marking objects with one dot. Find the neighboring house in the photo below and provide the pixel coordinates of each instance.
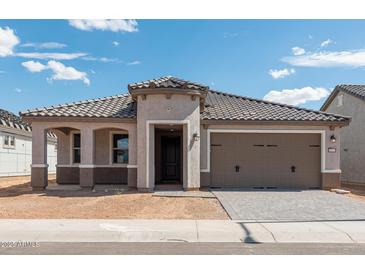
(170, 130)
(16, 146)
(349, 100)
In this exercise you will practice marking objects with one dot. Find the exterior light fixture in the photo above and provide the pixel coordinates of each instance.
(333, 139)
(196, 137)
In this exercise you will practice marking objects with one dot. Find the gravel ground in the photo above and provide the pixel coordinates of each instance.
(17, 201)
(291, 205)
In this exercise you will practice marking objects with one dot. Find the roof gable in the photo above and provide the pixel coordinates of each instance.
(354, 90)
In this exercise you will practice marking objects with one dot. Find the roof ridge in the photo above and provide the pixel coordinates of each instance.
(277, 104)
(86, 101)
(151, 83)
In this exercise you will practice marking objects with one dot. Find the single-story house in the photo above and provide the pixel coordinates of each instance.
(349, 100)
(16, 146)
(169, 130)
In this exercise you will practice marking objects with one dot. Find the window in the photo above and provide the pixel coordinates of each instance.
(9, 141)
(120, 148)
(76, 148)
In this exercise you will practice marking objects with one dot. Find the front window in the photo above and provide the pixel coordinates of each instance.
(9, 141)
(76, 148)
(120, 149)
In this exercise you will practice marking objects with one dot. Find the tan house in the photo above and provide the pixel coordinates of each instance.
(174, 131)
(349, 100)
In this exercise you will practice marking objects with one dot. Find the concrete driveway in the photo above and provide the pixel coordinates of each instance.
(289, 205)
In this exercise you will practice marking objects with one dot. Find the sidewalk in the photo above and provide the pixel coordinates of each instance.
(82, 230)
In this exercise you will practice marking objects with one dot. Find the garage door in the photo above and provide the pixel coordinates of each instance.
(265, 160)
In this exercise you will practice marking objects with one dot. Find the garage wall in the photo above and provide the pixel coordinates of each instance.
(265, 160)
(332, 159)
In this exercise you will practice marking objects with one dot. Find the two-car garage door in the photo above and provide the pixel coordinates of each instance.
(265, 160)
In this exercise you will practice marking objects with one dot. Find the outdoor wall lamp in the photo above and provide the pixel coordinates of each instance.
(333, 139)
(196, 137)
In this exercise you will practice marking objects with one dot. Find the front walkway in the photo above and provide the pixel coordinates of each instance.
(290, 205)
(62, 230)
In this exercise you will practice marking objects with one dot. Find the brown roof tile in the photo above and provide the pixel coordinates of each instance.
(218, 106)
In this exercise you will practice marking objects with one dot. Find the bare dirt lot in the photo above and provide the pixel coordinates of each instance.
(17, 201)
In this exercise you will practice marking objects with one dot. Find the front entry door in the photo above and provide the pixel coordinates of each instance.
(170, 152)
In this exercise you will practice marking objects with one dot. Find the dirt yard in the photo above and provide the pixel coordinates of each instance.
(17, 201)
(357, 192)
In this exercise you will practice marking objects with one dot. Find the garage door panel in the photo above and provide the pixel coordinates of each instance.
(265, 160)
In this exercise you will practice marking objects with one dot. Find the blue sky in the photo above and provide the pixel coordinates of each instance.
(47, 62)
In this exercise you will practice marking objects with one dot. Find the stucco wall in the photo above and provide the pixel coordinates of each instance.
(177, 107)
(352, 137)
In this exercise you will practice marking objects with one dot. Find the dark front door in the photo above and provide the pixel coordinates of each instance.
(170, 160)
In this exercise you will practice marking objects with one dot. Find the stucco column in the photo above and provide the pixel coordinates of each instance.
(87, 158)
(39, 176)
(192, 155)
(132, 157)
(331, 174)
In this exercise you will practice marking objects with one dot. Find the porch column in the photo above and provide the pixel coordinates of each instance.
(39, 175)
(132, 155)
(87, 158)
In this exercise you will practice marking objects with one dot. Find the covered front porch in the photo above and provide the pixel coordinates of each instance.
(88, 153)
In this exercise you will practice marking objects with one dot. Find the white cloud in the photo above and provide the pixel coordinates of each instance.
(115, 43)
(45, 45)
(61, 72)
(296, 96)
(297, 51)
(355, 58)
(119, 25)
(18, 90)
(326, 43)
(101, 59)
(50, 55)
(8, 40)
(276, 74)
(34, 66)
(134, 63)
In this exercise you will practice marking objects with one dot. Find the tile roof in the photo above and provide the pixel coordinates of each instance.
(167, 82)
(8, 119)
(224, 106)
(355, 90)
(218, 106)
(119, 106)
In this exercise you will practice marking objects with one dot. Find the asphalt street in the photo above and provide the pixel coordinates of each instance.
(103, 248)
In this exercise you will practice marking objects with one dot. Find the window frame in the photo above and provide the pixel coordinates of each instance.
(112, 149)
(9, 137)
(72, 148)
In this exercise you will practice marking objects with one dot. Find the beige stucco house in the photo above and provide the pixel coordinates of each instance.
(174, 131)
(349, 100)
